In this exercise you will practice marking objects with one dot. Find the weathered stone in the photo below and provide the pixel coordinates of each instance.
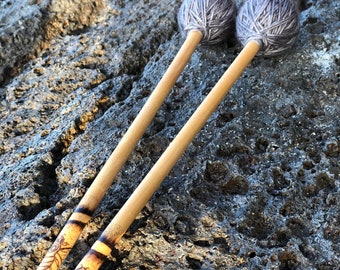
(236, 185)
(73, 76)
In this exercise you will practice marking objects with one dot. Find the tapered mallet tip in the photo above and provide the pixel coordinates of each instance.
(274, 24)
(213, 18)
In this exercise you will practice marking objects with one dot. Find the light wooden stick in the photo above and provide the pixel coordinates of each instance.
(121, 222)
(82, 214)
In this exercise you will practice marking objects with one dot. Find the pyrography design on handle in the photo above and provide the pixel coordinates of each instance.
(83, 268)
(55, 255)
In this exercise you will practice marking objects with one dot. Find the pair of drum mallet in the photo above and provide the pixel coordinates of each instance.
(266, 26)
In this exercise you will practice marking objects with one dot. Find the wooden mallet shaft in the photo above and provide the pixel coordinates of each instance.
(82, 214)
(121, 222)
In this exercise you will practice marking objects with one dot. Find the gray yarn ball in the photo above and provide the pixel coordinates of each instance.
(274, 24)
(213, 18)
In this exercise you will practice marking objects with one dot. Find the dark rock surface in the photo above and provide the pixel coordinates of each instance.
(257, 189)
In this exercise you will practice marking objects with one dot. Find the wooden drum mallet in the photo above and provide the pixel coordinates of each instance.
(205, 21)
(266, 26)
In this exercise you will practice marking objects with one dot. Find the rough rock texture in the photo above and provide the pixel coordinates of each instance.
(257, 189)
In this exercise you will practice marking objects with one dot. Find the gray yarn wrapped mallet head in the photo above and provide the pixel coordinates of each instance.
(274, 24)
(213, 18)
